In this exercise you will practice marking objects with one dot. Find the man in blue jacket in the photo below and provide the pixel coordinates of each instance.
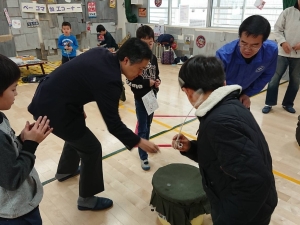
(251, 60)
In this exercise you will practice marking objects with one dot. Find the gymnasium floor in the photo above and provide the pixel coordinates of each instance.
(126, 183)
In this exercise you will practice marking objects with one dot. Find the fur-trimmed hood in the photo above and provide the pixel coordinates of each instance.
(215, 97)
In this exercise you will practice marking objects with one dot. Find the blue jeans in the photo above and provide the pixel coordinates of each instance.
(292, 89)
(144, 123)
(31, 218)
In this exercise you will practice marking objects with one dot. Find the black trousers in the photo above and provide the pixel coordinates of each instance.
(31, 218)
(87, 149)
(65, 59)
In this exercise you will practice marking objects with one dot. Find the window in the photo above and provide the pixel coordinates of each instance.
(159, 13)
(197, 13)
(225, 13)
(231, 13)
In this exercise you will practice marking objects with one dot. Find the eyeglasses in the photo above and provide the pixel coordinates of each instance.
(250, 47)
(181, 82)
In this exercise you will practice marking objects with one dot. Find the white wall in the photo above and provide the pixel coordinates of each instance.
(121, 17)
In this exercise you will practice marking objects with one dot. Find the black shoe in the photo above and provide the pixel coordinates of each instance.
(289, 109)
(266, 109)
(71, 175)
(102, 203)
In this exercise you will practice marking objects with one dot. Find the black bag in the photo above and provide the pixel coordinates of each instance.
(298, 131)
(165, 39)
(34, 78)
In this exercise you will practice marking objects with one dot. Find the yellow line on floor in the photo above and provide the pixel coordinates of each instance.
(286, 177)
(176, 129)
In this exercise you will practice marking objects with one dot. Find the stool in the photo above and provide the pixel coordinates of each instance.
(178, 195)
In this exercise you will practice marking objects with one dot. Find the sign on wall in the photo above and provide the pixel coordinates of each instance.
(157, 3)
(32, 23)
(16, 24)
(142, 12)
(33, 7)
(91, 7)
(158, 30)
(184, 13)
(64, 8)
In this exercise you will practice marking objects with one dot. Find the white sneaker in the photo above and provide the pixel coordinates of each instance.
(145, 164)
(180, 63)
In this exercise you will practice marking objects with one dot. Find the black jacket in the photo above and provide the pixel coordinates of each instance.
(234, 161)
(94, 76)
(109, 41)
(140, 86)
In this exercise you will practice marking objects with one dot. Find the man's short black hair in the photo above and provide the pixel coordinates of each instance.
(200, 72)
(135, 50)
(64, 24)
(254, 26)
(145, 32)
(100, 28)
(9, 73)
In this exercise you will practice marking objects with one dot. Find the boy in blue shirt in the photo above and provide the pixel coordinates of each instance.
(67, 43)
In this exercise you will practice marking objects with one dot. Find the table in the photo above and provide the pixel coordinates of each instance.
(27, 63)
(178, 193)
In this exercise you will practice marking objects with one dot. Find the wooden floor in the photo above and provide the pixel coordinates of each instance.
(128, 185)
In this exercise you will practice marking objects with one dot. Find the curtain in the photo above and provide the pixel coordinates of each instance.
(288, 3)
(128, 11)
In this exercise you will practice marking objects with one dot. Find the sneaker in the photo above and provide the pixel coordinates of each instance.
(289, 109)
(180, 63)
(266, 109)
(145, 164)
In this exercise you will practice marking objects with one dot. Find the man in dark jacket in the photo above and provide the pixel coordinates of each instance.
(231, 150)
(92, 76)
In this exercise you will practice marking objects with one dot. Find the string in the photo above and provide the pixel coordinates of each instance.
(198, 102)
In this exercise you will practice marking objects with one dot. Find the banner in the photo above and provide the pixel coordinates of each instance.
(7, 17)
(91, 7)
(33, 7)
(64, 8)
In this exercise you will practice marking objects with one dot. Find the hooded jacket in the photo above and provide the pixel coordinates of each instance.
(234, 160)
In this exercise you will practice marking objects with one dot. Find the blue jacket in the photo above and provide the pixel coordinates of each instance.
(253, 76)
(67, 40)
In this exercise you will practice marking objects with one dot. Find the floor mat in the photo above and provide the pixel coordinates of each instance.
(32, 70)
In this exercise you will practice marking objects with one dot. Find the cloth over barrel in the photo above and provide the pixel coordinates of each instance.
(178, 193)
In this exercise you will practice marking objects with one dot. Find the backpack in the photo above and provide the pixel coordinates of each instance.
(165, 39)
(167, 56)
